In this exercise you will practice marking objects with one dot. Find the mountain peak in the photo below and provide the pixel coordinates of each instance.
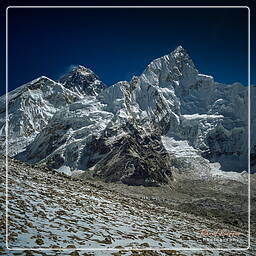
(80, 67)
(83, 81)
(179, 49)
(179, 52)
(41, 79)
(180, 56)
(82, 70)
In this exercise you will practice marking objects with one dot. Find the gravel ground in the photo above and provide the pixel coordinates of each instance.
(49, 210)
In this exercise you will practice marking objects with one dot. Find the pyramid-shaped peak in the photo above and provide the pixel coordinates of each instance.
(82, 69)
(181, 55)
(79, 67)
(83, 81)
(180, 51)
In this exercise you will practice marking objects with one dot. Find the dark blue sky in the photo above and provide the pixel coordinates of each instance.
(119, 43)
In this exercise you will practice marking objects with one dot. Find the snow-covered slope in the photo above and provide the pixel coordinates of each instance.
(30, 107)
(212, 117)
(170, 102)
(49, 210)
(64, 142)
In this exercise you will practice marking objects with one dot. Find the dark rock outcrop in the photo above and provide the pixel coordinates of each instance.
(135, 159)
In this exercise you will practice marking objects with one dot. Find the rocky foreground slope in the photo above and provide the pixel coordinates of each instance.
(50, 210)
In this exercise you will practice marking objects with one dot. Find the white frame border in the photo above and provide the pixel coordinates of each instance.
(129, 249)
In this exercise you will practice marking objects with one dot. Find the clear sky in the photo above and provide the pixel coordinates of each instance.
(119, 43)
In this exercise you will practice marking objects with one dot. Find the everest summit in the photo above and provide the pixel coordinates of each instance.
(83, 81)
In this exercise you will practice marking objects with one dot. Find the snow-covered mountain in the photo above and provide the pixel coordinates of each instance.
(30, 107)
(170, 118)
(82, 81)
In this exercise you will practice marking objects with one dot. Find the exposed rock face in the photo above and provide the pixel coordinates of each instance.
(135, 159)
(82, 81)
(170, 106)
(253, 128)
